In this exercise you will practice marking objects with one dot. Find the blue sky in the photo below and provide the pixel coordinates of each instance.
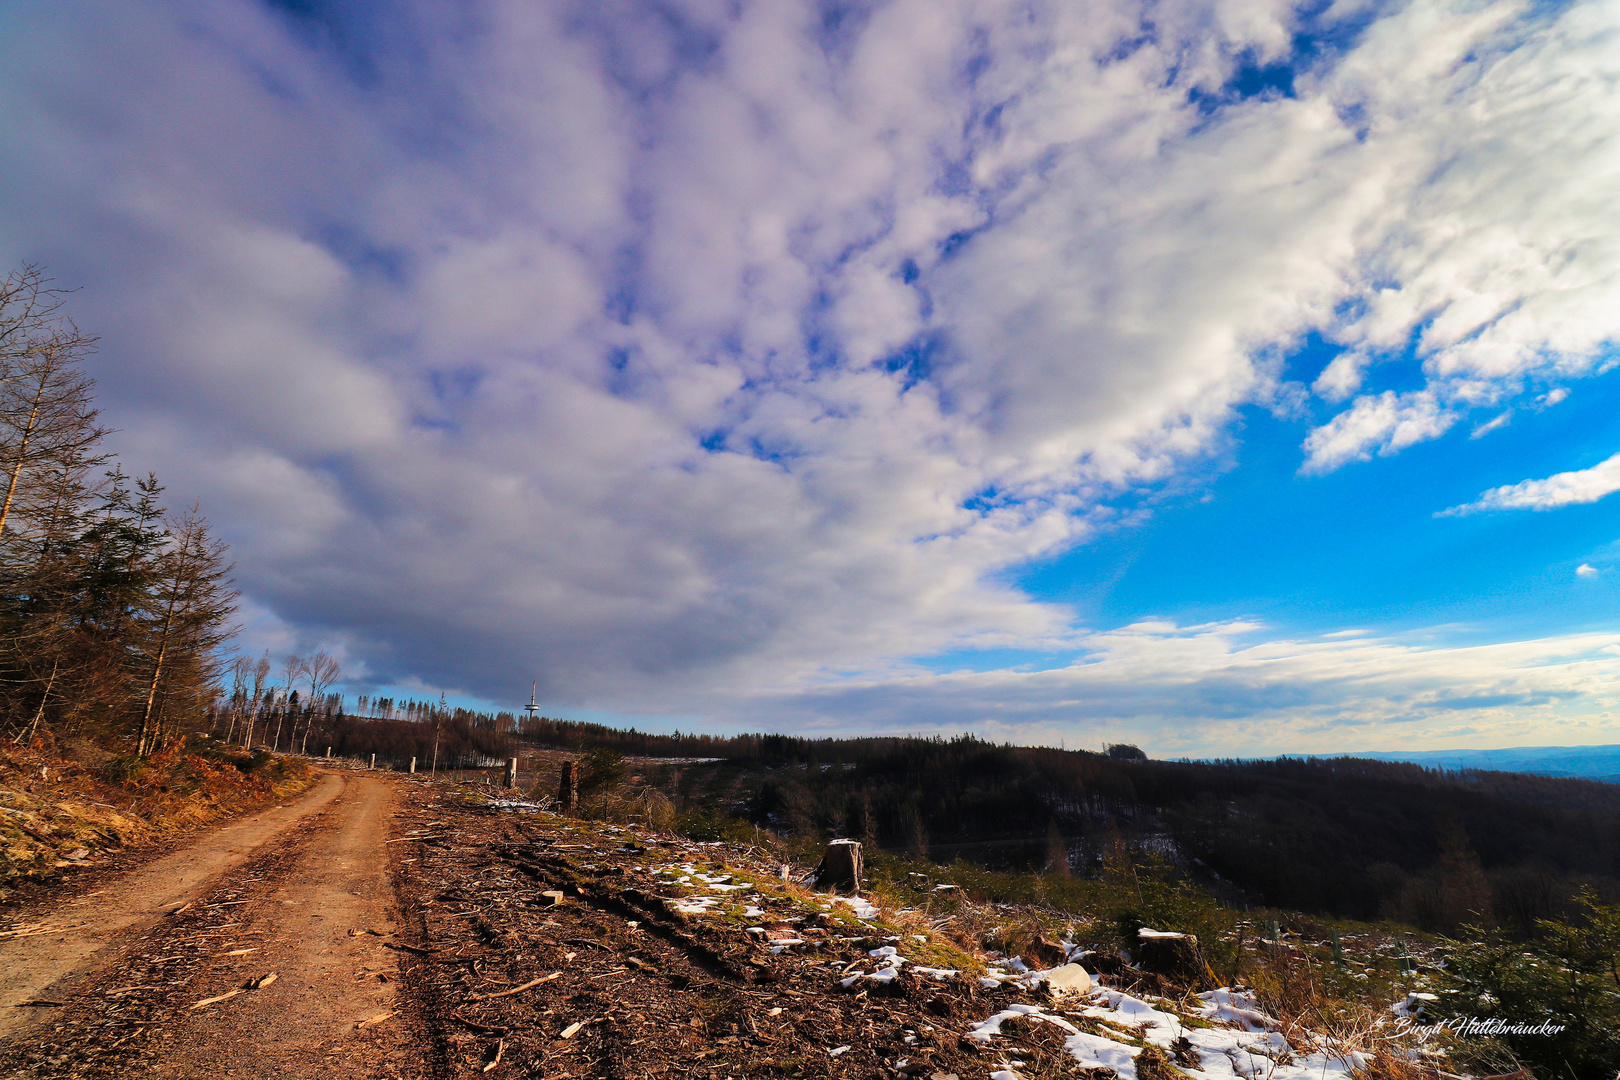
(1362, 546)
(1226, 376)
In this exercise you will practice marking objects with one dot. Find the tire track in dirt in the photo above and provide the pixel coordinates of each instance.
(67, 940)
(315, 909)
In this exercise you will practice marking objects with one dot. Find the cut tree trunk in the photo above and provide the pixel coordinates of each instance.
(840, 868)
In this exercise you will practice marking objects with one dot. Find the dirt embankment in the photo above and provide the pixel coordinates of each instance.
(71, 806)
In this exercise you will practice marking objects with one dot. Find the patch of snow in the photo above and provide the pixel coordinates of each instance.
(1251, 1050)
(862, 908)
(696, 905)
(1093, 1050)
(1235, 1007)
(936, 973)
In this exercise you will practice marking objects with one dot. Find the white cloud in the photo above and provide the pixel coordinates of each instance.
(1342, 377)
(1229, 688)
(1495, 423)
(1387, 423)
(1586, 570)
(659, 352)
(1562, 489)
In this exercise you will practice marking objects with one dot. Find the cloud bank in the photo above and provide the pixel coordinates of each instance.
(1238, 688)
(691, 353)
(1562, 489)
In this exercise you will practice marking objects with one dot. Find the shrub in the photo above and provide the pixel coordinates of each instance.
(124, 768)
(1569, 979)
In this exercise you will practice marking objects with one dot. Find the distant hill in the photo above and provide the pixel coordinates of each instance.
(1587, 762)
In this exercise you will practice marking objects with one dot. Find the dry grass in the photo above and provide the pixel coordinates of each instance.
(57, 800)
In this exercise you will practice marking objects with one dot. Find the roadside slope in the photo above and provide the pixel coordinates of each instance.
(44, 946)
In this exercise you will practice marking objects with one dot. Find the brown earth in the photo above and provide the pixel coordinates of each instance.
(301, 892)
(462, 938)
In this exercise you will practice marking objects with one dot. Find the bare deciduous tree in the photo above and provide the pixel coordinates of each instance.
(322, 670)
(291, 668)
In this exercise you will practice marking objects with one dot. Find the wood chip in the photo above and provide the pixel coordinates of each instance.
(37, 930)
(215, 1000)
(379, 1018)
(40, 1002)
(236, 952)
(263, 981)
(500, 1048)
(571, 1030)
(530, 985)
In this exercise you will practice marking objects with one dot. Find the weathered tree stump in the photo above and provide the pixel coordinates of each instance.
(1044, 954)
(840, 868)
(511, 773)
(1175, 956)
(568, 787)
(413, 765)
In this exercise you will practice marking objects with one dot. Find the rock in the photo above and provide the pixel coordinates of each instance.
(1068, 979)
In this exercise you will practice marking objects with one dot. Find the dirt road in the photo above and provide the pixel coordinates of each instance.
(284, 921)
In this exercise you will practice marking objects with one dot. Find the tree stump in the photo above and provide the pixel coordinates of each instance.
(568, 787)
(511, 773)
(413, 765)
(840, 869)
(1175, 956)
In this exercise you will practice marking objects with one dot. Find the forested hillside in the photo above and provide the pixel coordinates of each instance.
(1345, 836)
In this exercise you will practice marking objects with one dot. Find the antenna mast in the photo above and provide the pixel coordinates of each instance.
(531, 708)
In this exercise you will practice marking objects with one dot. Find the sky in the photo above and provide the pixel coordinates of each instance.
(1229, 377)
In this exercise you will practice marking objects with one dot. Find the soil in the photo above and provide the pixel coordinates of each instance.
(65, 929)
(412, 931)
